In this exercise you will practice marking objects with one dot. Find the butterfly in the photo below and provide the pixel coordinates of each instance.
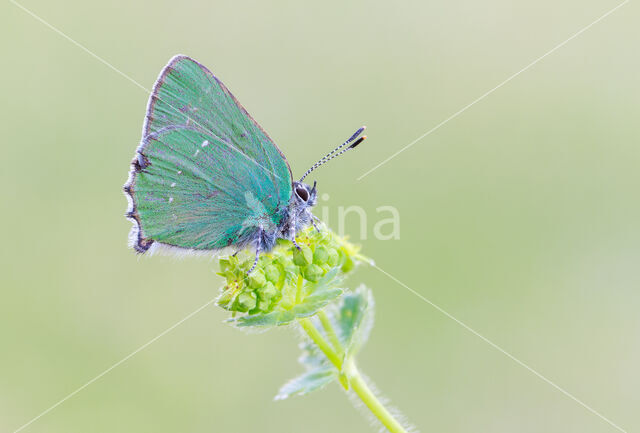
(206, 176)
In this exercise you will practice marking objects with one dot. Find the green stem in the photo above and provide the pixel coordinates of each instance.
(367, 396)
(333, 338)
(317, 338)
(299, 289)
(349, 377)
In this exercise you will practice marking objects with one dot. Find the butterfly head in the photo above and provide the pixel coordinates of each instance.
(304, 195)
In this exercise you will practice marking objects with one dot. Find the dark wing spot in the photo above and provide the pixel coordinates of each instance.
(140, 162)
(142, 245)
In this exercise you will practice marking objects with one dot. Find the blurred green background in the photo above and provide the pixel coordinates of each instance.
(520, 217)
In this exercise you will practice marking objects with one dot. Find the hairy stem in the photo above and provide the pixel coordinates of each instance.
(367, 396)
(333, 338)
(317, 338)
(349, 374)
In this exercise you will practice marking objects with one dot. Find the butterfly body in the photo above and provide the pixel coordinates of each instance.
(206, 176)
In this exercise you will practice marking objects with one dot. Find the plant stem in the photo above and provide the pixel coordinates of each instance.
(299, 289)
(333, 338)
(317, 338)
(367, 396)
(350, 376)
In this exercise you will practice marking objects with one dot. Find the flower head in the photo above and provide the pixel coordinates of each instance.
(285, 278)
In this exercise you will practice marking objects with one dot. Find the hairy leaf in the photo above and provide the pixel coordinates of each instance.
(352, 318)
(306, 383)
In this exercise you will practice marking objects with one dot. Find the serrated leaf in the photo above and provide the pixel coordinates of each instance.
(353, 319)
(306, 383)
(308, 307)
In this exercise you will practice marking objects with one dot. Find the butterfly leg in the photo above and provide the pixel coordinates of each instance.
(292, 235)
(315, 219)
(255, 262)
(258, 248)
(295, 244)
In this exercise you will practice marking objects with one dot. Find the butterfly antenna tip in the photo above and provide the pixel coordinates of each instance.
(338, 150)
(358, 141)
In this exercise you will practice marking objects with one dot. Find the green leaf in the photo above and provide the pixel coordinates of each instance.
(353, 319)
(308, 307)
(306, 383)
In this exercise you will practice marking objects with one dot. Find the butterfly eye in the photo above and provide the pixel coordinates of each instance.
(303, 194)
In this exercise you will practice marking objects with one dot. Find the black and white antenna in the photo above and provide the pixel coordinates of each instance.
(337, 152)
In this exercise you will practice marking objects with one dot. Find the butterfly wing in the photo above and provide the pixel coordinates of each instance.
(206, 175)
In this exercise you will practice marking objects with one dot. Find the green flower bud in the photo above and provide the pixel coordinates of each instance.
(348, 265)
(288, 299)
(263, 305)
(302, 256)
(247, 301)
(320, 255)
(313, 273)
(267, 291)
(283, 261)
(257, 279)
(272, 273)
(225, 263)
(225, 299)
(333, 257)
(230, 275)
(266, 294)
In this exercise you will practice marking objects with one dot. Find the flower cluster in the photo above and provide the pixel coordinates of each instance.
(285, 276)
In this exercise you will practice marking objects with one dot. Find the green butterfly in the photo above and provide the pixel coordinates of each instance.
(206, 176)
